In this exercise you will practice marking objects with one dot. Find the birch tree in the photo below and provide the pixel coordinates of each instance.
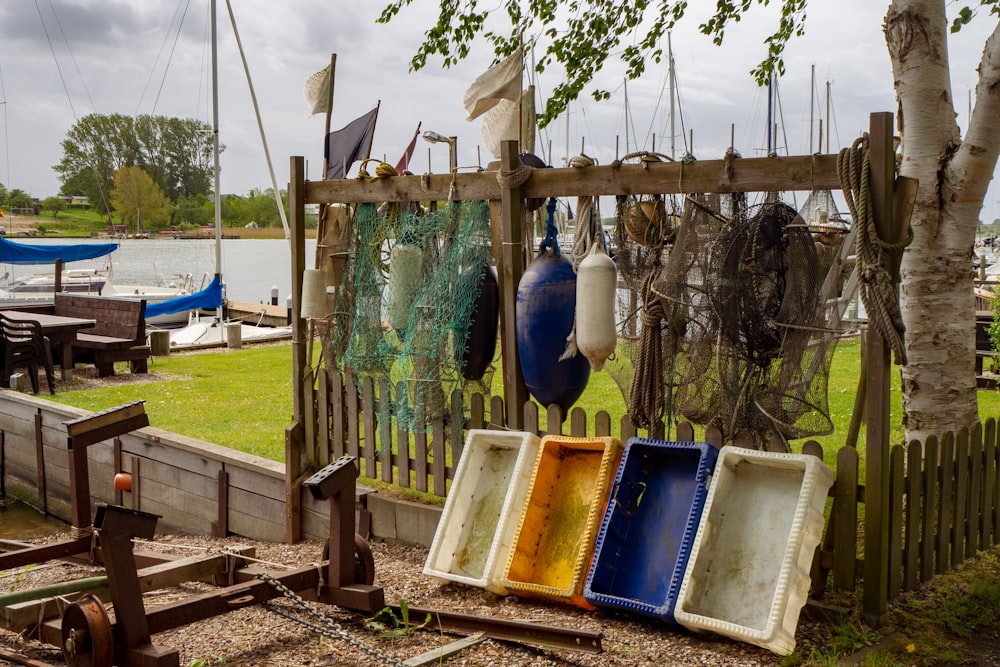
(954, 171)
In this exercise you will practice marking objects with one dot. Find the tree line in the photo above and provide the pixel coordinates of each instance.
(149, 172)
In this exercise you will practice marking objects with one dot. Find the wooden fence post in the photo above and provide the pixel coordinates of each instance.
(876, 562)
(510, 266)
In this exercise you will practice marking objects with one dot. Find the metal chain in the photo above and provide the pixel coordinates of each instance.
(327, 626)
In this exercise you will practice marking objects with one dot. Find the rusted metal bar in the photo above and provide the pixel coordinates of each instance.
(18, 659)
(511, 629)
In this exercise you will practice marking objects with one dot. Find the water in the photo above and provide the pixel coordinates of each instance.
(20, 522)
(250, 267)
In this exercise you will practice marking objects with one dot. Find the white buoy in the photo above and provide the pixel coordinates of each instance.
(596, 280)
(405, 264)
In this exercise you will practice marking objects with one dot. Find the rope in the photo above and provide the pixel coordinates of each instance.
(382, 170)
(878, 290)
(551, 239)
(514, 178)
(586, 228)
(324, 625)
(646, 397)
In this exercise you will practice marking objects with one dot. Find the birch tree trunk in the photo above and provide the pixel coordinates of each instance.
(936, 295)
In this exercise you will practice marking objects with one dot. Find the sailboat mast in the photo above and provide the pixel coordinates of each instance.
(812, 99)
(673, 95)
(215, 143)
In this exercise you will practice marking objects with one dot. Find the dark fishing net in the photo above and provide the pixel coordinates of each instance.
(750, 337)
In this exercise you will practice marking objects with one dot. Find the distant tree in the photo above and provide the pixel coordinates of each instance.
(193, 210)
(54, 204)
(19, 199)
(258, 206)
(3, 195)
(138, 200)
(176, 153)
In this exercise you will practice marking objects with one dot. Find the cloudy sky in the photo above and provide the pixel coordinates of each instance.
(63, 59)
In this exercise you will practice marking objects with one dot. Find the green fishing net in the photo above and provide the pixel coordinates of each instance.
(408, 295)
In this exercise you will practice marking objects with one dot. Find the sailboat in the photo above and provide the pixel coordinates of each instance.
(210, 332)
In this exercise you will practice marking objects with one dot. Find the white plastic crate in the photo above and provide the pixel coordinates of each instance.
(477, 526)
(748, 574)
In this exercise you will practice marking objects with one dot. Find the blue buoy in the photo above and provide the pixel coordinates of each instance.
(546, 303)
(481, 341)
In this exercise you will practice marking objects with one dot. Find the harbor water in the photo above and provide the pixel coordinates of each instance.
(250, 267)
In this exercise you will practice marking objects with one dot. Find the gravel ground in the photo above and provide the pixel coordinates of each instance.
(257, 636)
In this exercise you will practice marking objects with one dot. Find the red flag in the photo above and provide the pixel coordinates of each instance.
(408, 153)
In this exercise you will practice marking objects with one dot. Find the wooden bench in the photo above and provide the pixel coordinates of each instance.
(120, 332)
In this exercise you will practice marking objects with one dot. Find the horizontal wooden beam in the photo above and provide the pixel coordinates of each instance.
(805, 172)
(107, 424)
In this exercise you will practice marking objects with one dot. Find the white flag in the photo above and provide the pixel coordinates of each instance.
(500, 82)
(317, 91)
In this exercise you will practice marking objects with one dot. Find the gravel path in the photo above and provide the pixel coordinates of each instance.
(257, 636)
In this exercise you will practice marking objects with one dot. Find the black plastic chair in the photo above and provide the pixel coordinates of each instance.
(25, 346)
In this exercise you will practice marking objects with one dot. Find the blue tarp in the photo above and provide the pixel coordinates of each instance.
(26, 253)
(208, 298)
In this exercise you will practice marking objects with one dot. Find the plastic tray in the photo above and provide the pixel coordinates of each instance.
(650, 525)
(748, 574)
(477, 526)
(562, 513)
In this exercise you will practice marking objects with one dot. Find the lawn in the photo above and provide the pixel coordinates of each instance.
(242, 398)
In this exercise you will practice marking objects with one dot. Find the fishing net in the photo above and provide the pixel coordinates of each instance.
(751, 334)
(725, 321)
(406, 301)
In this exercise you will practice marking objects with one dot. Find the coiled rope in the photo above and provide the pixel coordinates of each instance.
(516, 177)
(587, 224)
(646, 396)
(878, 290)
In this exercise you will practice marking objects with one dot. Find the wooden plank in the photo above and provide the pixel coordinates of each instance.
(845, 519)
(959, 525)
(323, 417)
(338, 442)
(497, 412)
(529, 418)
(914, 504)
(259, 481)
(40, 461)
(456, 428)
(221, 526)
(402, 456)
(439, 458)
(714, 436)
(371, 431)
(509, 257)
(988, 508)
(578, 422)
(198, 462)
(477, 411)
(929, 511)
(420, 460)
(946, 477)
(626, 428)
(895, 547)
(553, 420)
(353, 423)
(256, 506)
(685, 432)
(974, 498)
(439, 653)
(107, 424)
(817, 172)
(878, 377)
(311, 453)
(385, 430)
(602, 424)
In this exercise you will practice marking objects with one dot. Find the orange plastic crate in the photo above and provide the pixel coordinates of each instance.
(556, 532)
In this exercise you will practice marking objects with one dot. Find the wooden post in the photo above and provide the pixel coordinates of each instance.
(876, 561)
(510, 265)
(294, 445)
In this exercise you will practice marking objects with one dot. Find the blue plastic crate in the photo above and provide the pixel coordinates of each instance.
(649, 527)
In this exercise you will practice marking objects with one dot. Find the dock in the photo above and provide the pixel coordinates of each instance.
(261, 314)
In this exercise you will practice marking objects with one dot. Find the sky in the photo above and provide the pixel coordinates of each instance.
(63, 59)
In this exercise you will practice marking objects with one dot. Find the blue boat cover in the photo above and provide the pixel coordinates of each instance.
(12, 252)
(208, 298)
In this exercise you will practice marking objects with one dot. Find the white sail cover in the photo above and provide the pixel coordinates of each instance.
(500, 82)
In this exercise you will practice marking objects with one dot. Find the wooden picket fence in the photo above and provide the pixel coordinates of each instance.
(944, 493)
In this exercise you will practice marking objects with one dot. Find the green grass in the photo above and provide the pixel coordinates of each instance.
(242, 398)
